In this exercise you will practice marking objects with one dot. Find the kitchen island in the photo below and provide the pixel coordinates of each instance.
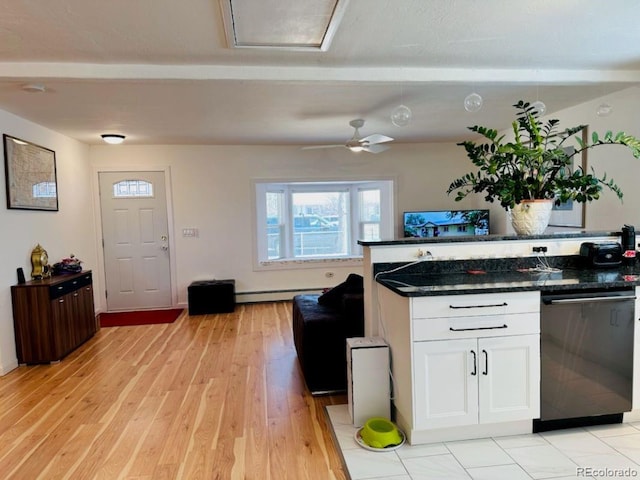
(462, 319)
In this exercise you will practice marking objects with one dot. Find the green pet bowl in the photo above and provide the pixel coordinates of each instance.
(379, 432)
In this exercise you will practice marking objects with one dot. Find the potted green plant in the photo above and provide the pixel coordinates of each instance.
(535, 168)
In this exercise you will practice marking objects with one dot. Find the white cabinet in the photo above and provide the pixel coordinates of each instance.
(446, 383)
(463, 360)
(469, 381)
(509, 378)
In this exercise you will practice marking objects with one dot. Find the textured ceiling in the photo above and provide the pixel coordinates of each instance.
(161, 72)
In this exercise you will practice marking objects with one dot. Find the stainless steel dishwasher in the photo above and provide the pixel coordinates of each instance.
(586, 353)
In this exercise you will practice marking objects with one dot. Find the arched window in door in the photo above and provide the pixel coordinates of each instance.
(132, 189)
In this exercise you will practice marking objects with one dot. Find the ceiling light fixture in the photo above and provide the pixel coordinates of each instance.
(401, 116)
(604, 109)
(113, 138)
(473, 102)
(33, 88)
(539, 107)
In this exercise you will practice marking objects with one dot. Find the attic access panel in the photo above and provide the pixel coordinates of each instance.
(282, 24)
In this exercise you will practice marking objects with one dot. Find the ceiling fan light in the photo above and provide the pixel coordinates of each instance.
(357, 148)
(112, 138)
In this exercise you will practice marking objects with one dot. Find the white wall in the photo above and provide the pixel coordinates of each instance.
(70, 230)
(212, 191)
(609, 213)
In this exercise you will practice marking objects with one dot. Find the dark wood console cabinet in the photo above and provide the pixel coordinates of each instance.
(52, 316)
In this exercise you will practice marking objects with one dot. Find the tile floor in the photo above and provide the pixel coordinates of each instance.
(605, 451)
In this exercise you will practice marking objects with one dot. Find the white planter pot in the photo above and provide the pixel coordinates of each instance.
(531, 217)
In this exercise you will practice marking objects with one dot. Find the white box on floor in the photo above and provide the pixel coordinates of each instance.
(368, 386)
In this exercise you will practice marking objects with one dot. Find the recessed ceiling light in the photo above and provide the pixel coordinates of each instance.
(113, 138)
(33, 88)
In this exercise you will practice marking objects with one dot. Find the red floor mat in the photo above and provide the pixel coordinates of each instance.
(142, 317)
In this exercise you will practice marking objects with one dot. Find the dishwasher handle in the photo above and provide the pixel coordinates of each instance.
(560, 301)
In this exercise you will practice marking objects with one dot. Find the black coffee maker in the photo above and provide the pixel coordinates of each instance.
(628, 245)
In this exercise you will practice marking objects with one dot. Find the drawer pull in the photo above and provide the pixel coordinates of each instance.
(60, 288)
(486, 362)
(476, 328)
(503, 304)
(61, 300)
(475, 363)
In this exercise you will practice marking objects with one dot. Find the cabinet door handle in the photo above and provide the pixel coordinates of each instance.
(475, 363)
(476, 328)
(456, 307)
(61, 300)
(486, 362)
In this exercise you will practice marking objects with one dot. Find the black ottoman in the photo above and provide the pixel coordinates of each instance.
(211, 296)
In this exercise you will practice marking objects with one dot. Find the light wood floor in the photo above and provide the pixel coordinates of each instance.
(207, 397)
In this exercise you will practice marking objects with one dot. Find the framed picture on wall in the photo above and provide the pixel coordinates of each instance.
(31, 176)
(571, 214)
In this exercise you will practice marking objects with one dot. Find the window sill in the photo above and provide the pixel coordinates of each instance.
(293, 263)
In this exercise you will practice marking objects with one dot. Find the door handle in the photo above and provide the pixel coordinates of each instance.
(475, 363)
(164, 238)
(486, 362)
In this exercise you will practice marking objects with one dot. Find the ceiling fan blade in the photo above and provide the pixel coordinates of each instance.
(375, 138)
(375, 148)
(314, 147)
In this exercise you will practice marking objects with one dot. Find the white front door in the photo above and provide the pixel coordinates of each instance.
(136, 240)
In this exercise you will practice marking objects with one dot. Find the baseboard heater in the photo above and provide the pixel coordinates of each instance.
(273, 295)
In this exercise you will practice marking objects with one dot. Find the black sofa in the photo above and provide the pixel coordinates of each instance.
(321, 325)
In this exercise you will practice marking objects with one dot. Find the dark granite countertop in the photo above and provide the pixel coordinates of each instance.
(462, 277)
(487, 238)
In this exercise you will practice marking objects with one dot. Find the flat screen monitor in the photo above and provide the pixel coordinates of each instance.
(446, 223)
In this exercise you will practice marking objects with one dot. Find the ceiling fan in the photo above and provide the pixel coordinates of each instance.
(370, 143)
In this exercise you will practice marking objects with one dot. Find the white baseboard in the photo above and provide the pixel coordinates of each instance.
(272, 296)
(6, 368)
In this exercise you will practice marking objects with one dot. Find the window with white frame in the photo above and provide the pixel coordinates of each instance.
(312, 221)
